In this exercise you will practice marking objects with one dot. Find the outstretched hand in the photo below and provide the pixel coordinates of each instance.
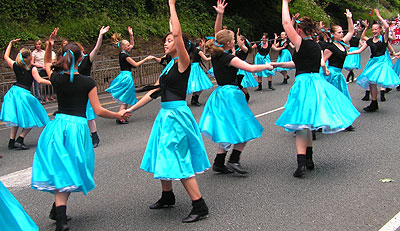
(104, 30)
(15, 40)
(130, 30)
(171, 2)
(124, 115)
(377, 13)
(53, 36)
(220, 8)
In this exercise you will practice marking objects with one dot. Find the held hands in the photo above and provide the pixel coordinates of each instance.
(220, 8)
(124, 115)
(104, 30)
(150, 57)
(53, 36)
(348, 14)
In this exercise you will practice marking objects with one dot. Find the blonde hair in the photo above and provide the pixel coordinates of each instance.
(118, 41)
(222, 38)
(25, 54)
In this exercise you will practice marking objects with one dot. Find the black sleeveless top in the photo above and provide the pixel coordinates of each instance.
(337, 58)
(354, 41)
(264, 51)
(125, 66)
(72, 97)
(241, 54)
(196, 57)
(173, 86)
(85, 68)
(308, 58)
(377, 49)
(224, 73)
(24, 77)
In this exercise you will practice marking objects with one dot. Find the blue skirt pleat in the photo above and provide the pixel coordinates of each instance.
(21, 109)
(248, 79)
(64, 157)
(396, 67)
(285, 56)
(314, 104)
(227, 118)
(337, 79)
(378, 71)
(260, 60)
(90, 115)
(352, 62)
(198, 80)
(122, 88)
(175, 149)
(12, 214)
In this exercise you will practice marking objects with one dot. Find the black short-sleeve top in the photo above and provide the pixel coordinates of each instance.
(196, 56)
(85, 67)
(241, 54)
(378, 48)
(283, 43)
(24, 77)
(174, 84)
(72, 97)
(338, 56)
(125, 66)
(354, 41)
(323, 45)
(264, 51)
(224, 73)
(308, 58)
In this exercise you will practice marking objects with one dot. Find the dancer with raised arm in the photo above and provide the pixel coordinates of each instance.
(122, 88)
(20, 109)
(227, 118)
(85, 68)
(313, 103)
(284, 54)
(175, 150)
(64, 157)
(378, 71)
(263, 57)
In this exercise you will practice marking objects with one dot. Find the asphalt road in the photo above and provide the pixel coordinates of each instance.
(344, 192)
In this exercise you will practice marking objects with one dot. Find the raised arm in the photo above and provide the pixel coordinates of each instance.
(96, 49)
(131, 42)
(287, 25)
(48, 60)
(363, 34)
(184, 59)
(220, 8)
(7, 58)
(384, 24)
(350, 26)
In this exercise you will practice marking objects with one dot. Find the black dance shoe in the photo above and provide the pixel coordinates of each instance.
(222, 169)
(19, 144)
(199, 211)
(95, 139)
(122, 121)
(236, 167)
(301, 166)
(366, 96)
(284, 81)
(53, 213)
(167, 200)
(350, 129)
(372, 107)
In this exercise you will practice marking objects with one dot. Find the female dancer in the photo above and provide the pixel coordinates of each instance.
(198, 80)
(336, 53)
(175, 150)
(12, 214)
(64, 158)
(378, 71)
(122, 88)
(353, 62)
(85, 68)
(262, 57)
(284, 55)
(245, 78)
(227, 118)
(313, 103)
(20, 108)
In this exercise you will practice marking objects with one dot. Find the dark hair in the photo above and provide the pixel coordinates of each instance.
(64, 62)
(307, 25)
(186, 41)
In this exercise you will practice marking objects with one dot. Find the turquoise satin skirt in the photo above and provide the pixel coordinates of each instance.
(175, 149)
(21, 109)
(198, 80)
(285, 56)
(352, 62)
(64, 157)
(378, 71)
(314, 104)
(260, 60)
(122, 88)
(337, 79)
(227, 118)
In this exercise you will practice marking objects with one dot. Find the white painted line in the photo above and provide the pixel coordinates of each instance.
(393, 224)
(17, 179)
(269, 112)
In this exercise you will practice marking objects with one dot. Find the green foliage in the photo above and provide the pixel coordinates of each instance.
(310, 8)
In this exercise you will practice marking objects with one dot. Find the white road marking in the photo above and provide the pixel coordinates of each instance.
(17, 179)
(393, 224)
